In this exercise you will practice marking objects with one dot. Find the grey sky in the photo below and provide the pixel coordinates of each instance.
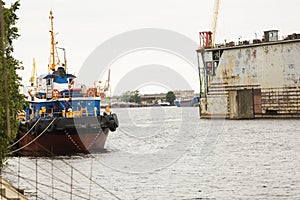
(84, 25)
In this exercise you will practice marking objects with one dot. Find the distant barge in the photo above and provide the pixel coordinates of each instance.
(247, 80)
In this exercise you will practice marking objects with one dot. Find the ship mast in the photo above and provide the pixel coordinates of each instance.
(53, 52)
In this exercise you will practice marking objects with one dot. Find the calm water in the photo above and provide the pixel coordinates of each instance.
(169, 153)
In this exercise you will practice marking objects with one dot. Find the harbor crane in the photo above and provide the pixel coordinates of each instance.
(107, 83)
(214, 23)
(207, 38)
(33, 73)
(105, 88)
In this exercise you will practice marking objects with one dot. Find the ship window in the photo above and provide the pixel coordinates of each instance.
(215, 67)
(216, 55)
(48, 82)
(209, 67)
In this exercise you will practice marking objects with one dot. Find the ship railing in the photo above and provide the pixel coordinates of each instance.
(70, 113)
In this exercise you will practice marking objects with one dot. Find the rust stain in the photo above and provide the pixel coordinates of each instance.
(266, 49)
(239, 54)
(250, 79)
(231, 64)
(254, 54)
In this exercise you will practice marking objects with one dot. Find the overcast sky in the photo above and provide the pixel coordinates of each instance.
(84, 25)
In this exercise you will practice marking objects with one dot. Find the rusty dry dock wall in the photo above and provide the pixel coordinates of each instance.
(272, 71)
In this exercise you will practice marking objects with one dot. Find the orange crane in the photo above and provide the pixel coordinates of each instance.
(105, 88)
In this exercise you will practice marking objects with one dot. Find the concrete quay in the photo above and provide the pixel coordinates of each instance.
(9, 192)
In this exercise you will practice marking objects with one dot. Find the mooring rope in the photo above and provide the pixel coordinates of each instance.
(34, 138)
(78, 171)
(84, 175)
(25, 134)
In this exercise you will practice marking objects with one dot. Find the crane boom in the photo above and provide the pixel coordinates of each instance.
(33, 73)
(215, 19)
(107, 83)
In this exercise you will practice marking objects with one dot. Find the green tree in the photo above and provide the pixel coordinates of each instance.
(135, 96)
(131, 96)
(170, 97)
(11, 101)
(125, 96)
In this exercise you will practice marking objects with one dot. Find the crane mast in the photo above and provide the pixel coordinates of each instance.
(214, 24)
(33, 74)
(107, 83)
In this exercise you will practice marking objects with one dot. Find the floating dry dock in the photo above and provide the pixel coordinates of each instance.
(256, 79)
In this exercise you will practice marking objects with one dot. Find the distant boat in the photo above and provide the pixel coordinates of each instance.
(61, 119)
(187, 102)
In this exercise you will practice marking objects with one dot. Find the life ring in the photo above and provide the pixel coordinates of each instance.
(55, 94)
(91, 92)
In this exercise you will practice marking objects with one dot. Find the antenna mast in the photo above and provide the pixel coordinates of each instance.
(53, 53)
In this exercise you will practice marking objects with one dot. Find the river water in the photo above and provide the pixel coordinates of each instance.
(169, 153)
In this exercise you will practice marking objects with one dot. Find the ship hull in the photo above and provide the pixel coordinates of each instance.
(52, 137)
(53, 145)
(188, 102)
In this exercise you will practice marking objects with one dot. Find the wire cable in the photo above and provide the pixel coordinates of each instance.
(34, 138)
(77, 189)
(25, 134)
(49, 186)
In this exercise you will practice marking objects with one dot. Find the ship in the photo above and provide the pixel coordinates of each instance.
(250, 79)
(187, 102)
(59, 118)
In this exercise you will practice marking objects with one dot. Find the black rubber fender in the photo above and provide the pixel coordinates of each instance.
(116, 120)
(112, 122)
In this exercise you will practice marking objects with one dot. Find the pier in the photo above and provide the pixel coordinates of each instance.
(9, 192)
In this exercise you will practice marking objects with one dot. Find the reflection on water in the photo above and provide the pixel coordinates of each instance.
(169, 153)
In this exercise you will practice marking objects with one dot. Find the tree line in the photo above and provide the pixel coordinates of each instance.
(135, 97)
(11, 101)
